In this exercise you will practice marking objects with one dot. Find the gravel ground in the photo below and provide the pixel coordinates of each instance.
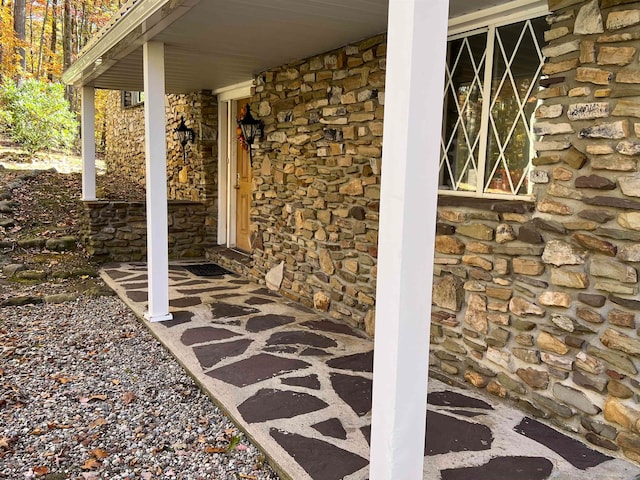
(87, 393)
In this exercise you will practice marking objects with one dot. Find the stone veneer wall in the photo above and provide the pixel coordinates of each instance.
(117, 231)
(538, 302)
(317, 178)
(195, 180)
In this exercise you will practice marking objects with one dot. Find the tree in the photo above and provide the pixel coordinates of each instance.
(19, 26)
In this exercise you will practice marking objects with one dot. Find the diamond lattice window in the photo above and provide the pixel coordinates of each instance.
(490, 89)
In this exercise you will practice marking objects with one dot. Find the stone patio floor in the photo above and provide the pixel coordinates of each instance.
(299, 385)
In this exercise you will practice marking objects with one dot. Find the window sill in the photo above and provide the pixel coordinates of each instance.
(521, 206)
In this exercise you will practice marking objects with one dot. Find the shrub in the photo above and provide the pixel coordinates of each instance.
(36, 115)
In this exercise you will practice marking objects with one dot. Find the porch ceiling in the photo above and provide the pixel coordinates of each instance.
(211, 44)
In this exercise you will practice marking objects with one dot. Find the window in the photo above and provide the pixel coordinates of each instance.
(131, 98)
(490, 100)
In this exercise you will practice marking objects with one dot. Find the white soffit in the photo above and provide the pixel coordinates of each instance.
(210, 44)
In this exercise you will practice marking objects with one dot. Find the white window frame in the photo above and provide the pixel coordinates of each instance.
(131, 98)
(488, 20)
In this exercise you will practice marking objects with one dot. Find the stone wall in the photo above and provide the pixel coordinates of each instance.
(117, 231)
(317, 178)
(538, 302)
(197, 178)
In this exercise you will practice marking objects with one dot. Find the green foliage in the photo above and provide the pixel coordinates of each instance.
(36, 115)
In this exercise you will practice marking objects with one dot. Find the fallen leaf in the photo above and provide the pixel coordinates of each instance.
(36, 431)
(4, 443)
(115, 381)
(241, 447)
(98, 397)
(39, 471)
(99, 453)
(98, 422)
(248, 477)
(90, 464)
(128, 397)
(209, 449)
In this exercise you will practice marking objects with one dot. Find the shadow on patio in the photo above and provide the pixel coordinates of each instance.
(299, 385)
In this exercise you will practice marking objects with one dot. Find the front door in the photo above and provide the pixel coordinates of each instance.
(243, 191)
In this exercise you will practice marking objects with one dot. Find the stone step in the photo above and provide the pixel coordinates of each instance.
(65, 243)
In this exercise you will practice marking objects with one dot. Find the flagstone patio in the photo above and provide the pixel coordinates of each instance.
(299, 385)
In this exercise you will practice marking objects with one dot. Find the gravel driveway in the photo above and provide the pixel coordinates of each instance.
(87, 393)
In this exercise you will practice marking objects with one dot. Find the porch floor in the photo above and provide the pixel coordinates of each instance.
(299, 385)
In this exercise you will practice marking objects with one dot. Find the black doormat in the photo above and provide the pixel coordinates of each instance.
(207, 270)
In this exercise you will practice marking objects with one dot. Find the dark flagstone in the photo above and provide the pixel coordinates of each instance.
(224, 310)
(447, 434)
(298, 337)
(190, 283)
(223, 296)
(194, 291)
(321, 460)
(264, 291)
(178, 319)
(467, 413)
(366, 432)
(453, 399)
(176, 278)
(135, 285)
(205, 334)
(573, 451)
(360, 362)
(313, 352)
(354, 391)
(185, 302)
(210, 355)
(258, 301)
(333, 327)
(240, 282)
(281, 349)
(267, 322)
(308, 382)
(255, 369)
(331, 428)
(269, 404)
(138, 278)
(117, 274)
(138, 296)
(504, 468)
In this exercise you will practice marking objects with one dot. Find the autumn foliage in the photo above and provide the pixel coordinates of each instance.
(55, 31)
(39, 39)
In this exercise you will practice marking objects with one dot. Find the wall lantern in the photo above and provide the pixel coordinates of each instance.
(185, 135)
(251, 128)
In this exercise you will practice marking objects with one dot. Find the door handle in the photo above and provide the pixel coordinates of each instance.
(237, 185)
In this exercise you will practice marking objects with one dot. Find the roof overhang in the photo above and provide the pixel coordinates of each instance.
(210, 44)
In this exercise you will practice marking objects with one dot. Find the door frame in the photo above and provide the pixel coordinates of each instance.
(227, 145)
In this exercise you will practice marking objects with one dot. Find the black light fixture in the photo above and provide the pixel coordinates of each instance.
(185, 135)
(251, 128)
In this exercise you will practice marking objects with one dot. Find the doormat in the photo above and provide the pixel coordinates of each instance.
(207, 270)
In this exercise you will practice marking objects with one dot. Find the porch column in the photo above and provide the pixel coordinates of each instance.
(156, 182)
(88, 143)
(416, 48)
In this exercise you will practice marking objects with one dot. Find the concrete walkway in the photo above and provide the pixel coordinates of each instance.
(299, 385)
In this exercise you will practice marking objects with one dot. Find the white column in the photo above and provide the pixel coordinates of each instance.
(88, 118)
(156, 182)
(413, 115)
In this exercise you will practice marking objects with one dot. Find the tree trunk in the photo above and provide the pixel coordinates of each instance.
(44, 25)
(67, 44)
(54, 34)
(19, 26)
